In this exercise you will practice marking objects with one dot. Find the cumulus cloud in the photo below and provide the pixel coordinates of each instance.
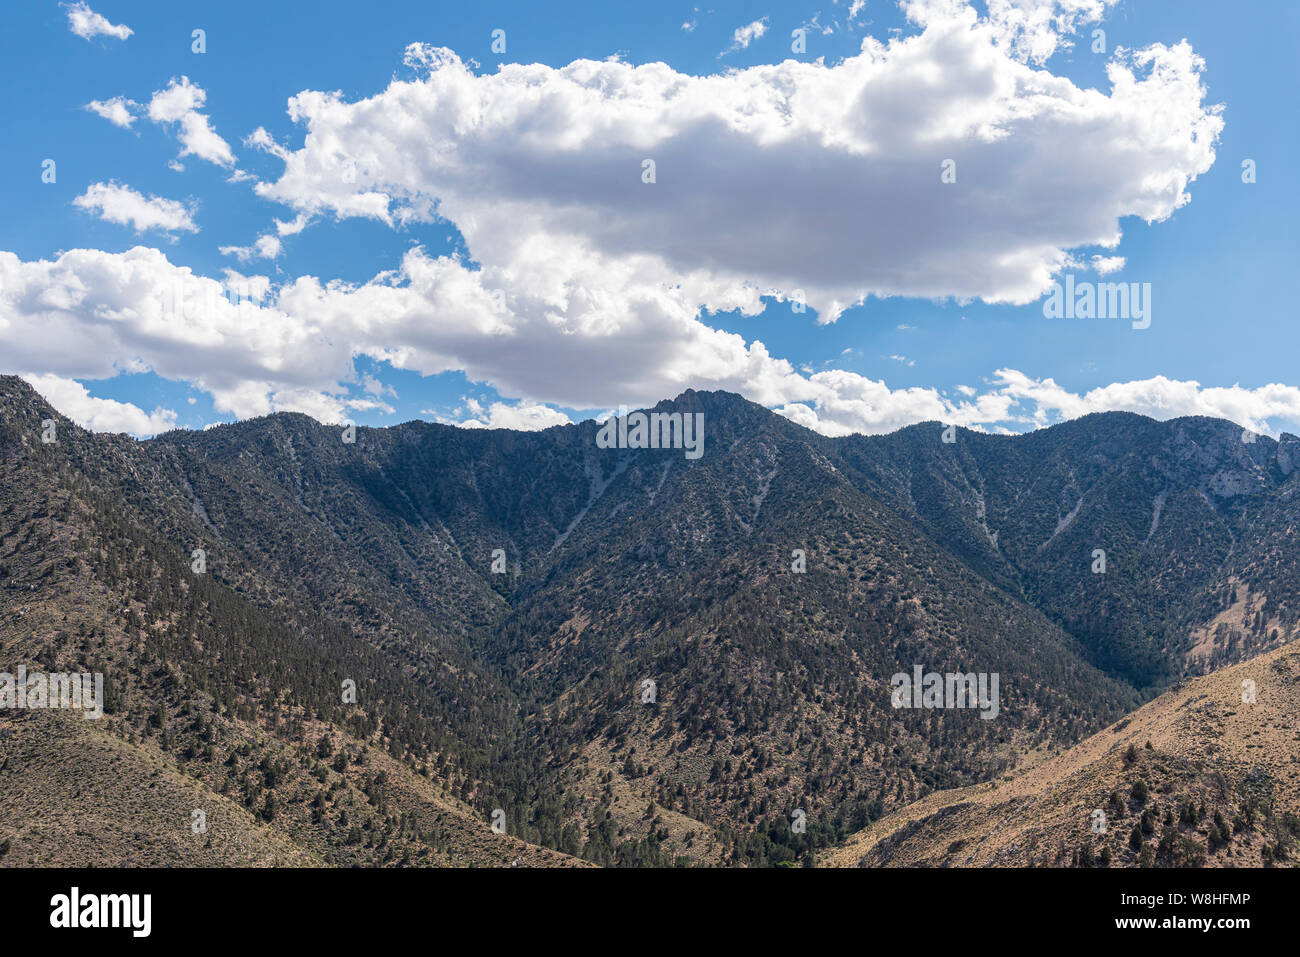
(239, 287)
(90, 314)
(799, 180)
(100, 415)
(1103, 265)
(376, 387)
(86, 23)
(179, 104)
(117, 110)
(292, 227)
(115, 203)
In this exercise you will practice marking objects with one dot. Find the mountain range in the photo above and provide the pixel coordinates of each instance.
(431, 645)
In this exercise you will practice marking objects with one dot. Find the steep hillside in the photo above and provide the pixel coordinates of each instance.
(1174, 510)
(772, 686)
(1197, 777)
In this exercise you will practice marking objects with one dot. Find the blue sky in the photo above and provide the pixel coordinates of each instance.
(938, 321)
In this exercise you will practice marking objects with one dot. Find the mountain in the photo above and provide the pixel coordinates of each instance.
(635, 655)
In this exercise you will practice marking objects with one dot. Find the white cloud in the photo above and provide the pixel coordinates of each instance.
(521, 416)
(368, 405)
(268, 246)
(816, 26)
(264, 247)
(100, 415)
(86, 23)
(90, 314)
(262, 140)
(293, 227)
(769, 179)
(179, 104)
(843, 402)
(117, 110)
(742, 37)
(123, 205)
(377, 388)
(1031, 30)
(239, 287)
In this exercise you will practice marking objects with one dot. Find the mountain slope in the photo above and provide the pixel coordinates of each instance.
(1178, 508)
(1197, 777)
(228, 689)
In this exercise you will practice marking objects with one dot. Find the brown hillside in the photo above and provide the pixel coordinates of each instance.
(1199, 745)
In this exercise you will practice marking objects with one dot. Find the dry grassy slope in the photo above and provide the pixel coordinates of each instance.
(600, 779)
(472, 843)
(74, 794)
(1231, 623)
(1206, 747)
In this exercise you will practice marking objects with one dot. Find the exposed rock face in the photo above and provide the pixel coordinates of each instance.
(1288, 453)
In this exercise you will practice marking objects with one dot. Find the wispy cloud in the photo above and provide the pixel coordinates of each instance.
(742, 37)
(264, 247)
